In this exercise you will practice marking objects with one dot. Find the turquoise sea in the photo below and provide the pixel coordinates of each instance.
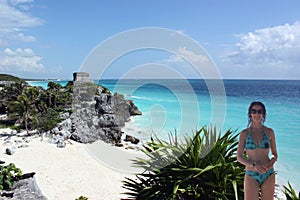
(185, 105)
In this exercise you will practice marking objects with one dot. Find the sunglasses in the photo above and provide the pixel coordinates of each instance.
(254, 111)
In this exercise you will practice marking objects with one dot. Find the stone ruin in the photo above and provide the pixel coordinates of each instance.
(81, 77)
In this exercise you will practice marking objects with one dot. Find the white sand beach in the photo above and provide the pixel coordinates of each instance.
(93, 170)
(65, 173)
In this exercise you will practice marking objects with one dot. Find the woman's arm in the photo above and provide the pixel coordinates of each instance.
(273, 148)
(240, 150)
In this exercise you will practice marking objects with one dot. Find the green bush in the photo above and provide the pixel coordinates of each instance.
(7, 77)
(106, 90)
(8, 174)
(33, 107)
(82, 198)
(290, 193)
(203, 167)
(17, 128)
(48, 121)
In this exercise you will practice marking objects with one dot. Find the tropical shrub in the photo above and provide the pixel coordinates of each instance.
(105, 90)
(290, 193)
(24, 108)
(203, 167)
(9, 94)
(48, 121)
(32, 108)
(7, 77)
(8, 174)
(82, 198)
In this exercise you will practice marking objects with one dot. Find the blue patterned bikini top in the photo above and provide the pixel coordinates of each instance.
(250, 143)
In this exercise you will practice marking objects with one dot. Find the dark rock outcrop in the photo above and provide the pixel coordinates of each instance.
(25, 188)
(97, 114)
(9, 151)
(133, 140)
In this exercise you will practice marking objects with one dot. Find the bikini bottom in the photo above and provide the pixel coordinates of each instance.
(260, 178)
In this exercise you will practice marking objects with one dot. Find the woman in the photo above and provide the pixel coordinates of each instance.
(257, 140)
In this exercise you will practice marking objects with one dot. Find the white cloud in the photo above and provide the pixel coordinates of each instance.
(192, 56)
(20, 60)
(188, 62)
(275, 48)
(174, 59)
(24, 38)
(189, 55)
(22, 4)
(14, 20)
(271, 39)
(16, 2)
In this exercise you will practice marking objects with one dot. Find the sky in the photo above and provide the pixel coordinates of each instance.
(243, 39)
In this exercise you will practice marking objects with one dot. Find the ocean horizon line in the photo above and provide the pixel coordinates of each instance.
(109, 79)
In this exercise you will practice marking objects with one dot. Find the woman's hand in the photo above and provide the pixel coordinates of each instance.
(264, 168)
(261, 168)
(271, 163)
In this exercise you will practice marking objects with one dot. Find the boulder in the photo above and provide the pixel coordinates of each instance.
(133, 140)
(25, 188)
(133, 110)
(9, 151)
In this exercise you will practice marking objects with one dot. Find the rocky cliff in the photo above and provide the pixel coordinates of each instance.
(96, 114)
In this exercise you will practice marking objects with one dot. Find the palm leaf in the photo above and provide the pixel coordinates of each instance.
(290, 193)
(201, 167)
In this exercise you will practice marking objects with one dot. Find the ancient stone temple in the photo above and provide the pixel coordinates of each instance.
(81, 77)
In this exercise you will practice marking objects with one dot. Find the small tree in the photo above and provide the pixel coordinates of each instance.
(35, 107)
(25, 108)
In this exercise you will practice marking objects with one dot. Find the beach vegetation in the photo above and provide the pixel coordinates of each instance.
(17, 128)
(82, 198)
(8, 174)
(203, 166)
(11, 92)
(105, 90)
(290, 192)
(30, 107)
(49, 121)
(24, 108)
(7, 77)
(35, 108)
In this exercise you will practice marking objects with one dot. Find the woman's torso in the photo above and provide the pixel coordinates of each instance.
(257, 146)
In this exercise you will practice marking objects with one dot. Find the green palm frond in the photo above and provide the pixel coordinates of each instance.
(204, 166)
(290, 193)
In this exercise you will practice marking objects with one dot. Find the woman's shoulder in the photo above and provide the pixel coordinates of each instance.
(269, 131)
(244, 132)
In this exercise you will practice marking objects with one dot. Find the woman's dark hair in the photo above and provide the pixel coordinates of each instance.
(256, 103)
